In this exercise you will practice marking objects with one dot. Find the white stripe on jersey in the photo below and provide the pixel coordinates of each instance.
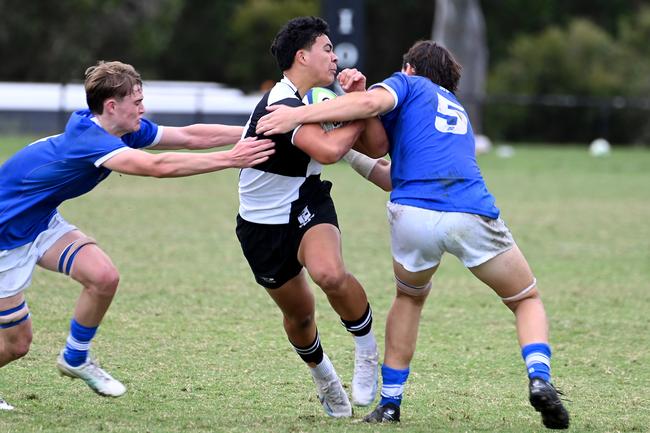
(108, 156)
(157, 138)
(266, 197)
(390, 90)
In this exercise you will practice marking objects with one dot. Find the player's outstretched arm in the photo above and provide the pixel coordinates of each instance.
(246, 153)
(198, 136)
(373, 141)
(351, 106)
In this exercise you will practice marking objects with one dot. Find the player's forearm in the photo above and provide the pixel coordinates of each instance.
(355, 105)
(373, 141)
(206, 136)
(376, 171)
(171, 164)
(342, 140)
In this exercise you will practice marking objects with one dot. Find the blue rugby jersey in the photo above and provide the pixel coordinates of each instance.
(39, 177)
(432, 149)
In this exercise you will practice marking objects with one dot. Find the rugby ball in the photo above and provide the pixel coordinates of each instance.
(320, 94)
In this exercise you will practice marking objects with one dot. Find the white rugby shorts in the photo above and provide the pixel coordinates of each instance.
(17, 265)
(419, 237)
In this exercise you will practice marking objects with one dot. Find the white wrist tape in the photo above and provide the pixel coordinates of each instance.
(361, 163)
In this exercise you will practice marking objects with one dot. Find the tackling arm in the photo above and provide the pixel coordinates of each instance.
(351, 106)
(198, 136)
(246, 153)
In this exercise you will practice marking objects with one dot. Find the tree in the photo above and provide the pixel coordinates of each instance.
(200, 47)
(253, 27)
(580, 60)
(55, 41)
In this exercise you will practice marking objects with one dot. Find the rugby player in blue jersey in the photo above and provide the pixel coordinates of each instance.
(439, 203)
(37, 179)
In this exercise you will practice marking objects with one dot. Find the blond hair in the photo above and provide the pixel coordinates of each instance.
(109, 80)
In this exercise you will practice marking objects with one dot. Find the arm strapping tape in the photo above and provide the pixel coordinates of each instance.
(361, 163)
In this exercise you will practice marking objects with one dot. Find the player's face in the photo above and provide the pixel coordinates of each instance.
(129, 111)
(322, 61)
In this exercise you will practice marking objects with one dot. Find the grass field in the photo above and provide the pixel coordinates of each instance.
(201, 347)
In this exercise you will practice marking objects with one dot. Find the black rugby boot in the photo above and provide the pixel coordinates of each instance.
(386, 413)
(545, 399)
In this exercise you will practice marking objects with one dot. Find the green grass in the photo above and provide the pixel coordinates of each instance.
(201, 347)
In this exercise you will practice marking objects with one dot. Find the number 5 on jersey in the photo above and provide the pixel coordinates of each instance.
(453, 119)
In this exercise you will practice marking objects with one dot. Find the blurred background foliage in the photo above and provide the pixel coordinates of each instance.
(594, 50)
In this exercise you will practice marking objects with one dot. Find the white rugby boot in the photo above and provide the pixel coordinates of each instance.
(5, 406)
(333, 397)
(95, 377)
(364, 380)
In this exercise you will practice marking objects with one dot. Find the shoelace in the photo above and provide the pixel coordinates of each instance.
(96, 371)
(560, 394)
(563, 397)
(332, 391)
(364, 367)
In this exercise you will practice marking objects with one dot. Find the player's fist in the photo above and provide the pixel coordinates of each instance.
(351, 80)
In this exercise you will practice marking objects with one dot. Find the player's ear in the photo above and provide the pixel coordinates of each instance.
(109, 105)
(408, 69)
(300, 57)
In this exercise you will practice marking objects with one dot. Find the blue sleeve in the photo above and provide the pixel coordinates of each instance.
(143, 137)
(398, 85)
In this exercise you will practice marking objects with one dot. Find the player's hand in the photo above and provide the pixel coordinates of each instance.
(351, 80)
(281, 119)
(251, 151)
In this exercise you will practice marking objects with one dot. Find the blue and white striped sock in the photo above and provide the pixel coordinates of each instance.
(78, 343)
(537, 357)
(392, 387)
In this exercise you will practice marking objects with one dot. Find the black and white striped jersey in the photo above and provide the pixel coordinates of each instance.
(268, 190)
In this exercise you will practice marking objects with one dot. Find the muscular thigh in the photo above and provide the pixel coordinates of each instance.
(320, 248)
(507, 274)
(319, 239)
(77, 255)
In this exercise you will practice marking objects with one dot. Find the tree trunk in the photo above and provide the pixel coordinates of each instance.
(459, 26)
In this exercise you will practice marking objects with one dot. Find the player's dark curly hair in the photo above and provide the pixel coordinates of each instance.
(434, 62)
(297, 34)
(109, 80)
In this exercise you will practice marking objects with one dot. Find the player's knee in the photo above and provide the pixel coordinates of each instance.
(105, 281)
(20, 348)
(19, 345)
(15, 331)
(331, 280)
